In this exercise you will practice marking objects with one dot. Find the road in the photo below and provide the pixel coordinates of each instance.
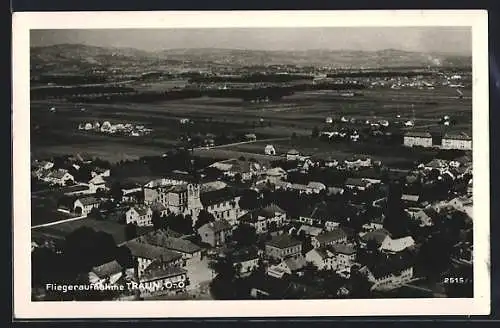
(241, 143)
(57, 222)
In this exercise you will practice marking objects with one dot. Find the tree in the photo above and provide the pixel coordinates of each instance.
(249, 200)
(116, 191)
(179, 223)
(96, 214)
(245, 235)
(204, 217)
(294, 135)
(157, 220)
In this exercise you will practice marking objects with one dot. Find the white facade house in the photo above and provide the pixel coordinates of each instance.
(139, 215)
(421, 139)
(84, 205)
(457, 141)
(270, 150)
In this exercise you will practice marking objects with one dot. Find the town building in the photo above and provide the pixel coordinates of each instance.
(163, 281)
(460, 141)
(141, 215)
(389, 275)
(145, 254)
(263, 220)
(107, 273)
(215, 233)
(84, 205)
(275, 174)
(160, 238)
(393, 246)
(328, 238)
(223, 204)
(181, 199)
(282, 247)
(357, 184)
(419, 139)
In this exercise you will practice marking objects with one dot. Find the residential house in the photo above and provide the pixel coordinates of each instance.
(163, 280)
(357, 162)
(283, 246)
(357, 184)
(319, 215)
(189, 251)
(215, 233)
(421, 139)
(389, 275)
(462, 204)
(100, 171)
(333, 237)
(292, 265)
(319, 257)
(410, 200)
(141, 215)
(233, 167)
(375, 224)
(460, 141)
(59, 177)
(84, 205)
(378, 236)
(223, 204)
(310, 231)
(292, 155)
(393, 246)
(265, 219)
(275, 174)
(107, 273)
(269, 150)
(338, 257)
(97, 183)
(245, 260)
(145, 254)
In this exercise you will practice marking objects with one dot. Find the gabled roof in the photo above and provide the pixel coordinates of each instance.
(58, 174)
(418, 134)
(378, 235)
(88, 200)
(393, 265)
(295, 264)
(270, 211)
(151, 252)
(397, 245)
(160, 238)
(156, 273)
(107, 269)
(310, 230)
(330, 236)
(217, 196)
(357, 182)
(293, 152)
(461, 136)
(141, 209)
(217, 226)
(283, 241)
(344, 249)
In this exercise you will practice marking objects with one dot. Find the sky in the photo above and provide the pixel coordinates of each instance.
(456, 40)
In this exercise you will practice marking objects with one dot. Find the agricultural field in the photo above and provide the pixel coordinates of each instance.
(57, 133)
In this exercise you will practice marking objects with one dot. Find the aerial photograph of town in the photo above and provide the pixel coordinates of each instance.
(250, 164)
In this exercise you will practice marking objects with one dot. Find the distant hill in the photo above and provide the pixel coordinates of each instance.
(77, 55)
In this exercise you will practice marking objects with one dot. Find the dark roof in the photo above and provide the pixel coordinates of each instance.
(461, 136)
(283, 241)
(151, 252)
(293, 152)
(159, 207)
(418, 134)
(156, 273)
(329, 236)
(393, 265)
(160, 238)
(244, 254)
(344, 249)
(377, 235)
(218, 226)
(75, 188)
(141, 209)
(270, 211)
(217, 196)
(107, 269)
(58, 174)
(88, 200)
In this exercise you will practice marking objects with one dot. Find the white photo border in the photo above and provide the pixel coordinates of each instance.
(23, 22)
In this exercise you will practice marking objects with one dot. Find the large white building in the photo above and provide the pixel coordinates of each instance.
(460, 141)
(422, 139)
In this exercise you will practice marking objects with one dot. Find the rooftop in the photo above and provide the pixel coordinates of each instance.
(418, 134)
(218, 226)
(156, 273)
(330, 236)
(107, 269)
(88, 200)
(151, 252)
(458, 136)
(283, 241)
(212, 197)
(160, 238)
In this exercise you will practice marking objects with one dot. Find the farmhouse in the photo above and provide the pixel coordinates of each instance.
(84, 205)
(275, 174)
(109, 272)
(59, 177)
(160, 238)
(460, 141)
(420, 139)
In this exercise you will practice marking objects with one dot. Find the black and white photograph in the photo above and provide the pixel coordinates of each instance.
(250, 162)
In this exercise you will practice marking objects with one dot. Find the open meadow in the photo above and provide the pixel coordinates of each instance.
(57, 132)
